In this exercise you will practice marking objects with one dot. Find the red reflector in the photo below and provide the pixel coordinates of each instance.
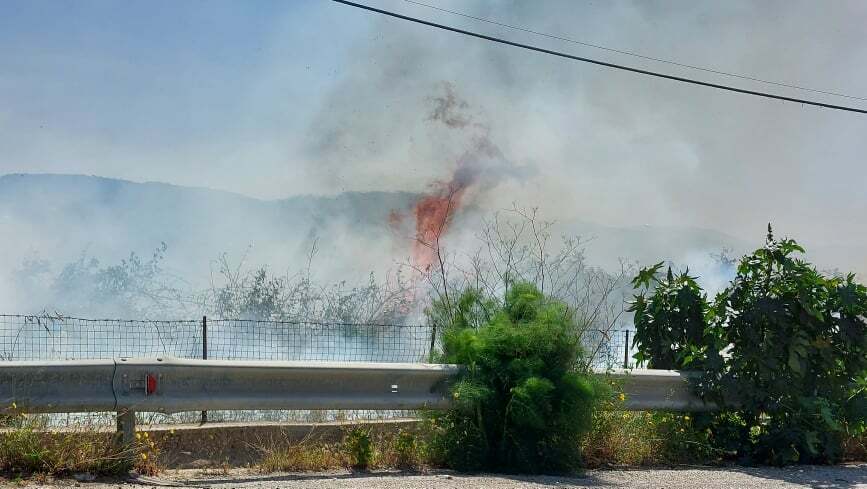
(151, 384)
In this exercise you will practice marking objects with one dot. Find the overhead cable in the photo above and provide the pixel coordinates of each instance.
(637, 55)
(602, 63)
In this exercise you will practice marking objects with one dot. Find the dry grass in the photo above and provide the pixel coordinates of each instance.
(634, 439)
(301, 457)
(28, 447)
(402, 450)
(622, 438)
(855, 448)
(619, 439)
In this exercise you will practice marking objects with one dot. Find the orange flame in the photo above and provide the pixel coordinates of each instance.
(433, 215)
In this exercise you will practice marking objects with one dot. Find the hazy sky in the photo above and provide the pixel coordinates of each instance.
(277, 98)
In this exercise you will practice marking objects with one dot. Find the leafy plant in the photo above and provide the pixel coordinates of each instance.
(671, 322)
(136, 286)
(522, 402)
(783, 350)
(257, 293)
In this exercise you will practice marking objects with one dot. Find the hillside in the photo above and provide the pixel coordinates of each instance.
(58, 217)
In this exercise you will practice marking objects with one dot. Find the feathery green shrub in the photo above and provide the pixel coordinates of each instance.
(522, 404)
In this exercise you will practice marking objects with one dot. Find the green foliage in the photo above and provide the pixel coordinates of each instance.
(784, 352)
(671, 322)
(521, 403)
(359, 448)
(798, 342)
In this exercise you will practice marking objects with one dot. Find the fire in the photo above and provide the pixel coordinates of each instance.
(481, 161)
(433, 215)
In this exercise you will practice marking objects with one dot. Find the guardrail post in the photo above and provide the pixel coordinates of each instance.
(204, 355)
(126, 427)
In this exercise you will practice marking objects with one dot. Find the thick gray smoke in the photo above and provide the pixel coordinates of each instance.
(647, 169)
(615, 148)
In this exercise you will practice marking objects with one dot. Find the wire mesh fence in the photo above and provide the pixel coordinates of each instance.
(269, 340)
(65, 338)
(46, 337)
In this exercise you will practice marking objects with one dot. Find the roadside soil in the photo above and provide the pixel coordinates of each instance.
(851, 476)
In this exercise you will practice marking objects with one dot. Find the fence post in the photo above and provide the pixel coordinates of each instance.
(433, 340)
(626, 351)
(204, 355)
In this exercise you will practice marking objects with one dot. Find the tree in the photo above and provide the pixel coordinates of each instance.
(783, 352)
(794, 343)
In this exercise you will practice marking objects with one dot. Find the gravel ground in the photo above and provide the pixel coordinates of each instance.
(839, 477)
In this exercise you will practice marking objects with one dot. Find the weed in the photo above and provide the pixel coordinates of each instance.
(622, 438)
(301, 457)
(783, 350)
(147, 456)
(406, 449)
(359, 448)
(855, 448)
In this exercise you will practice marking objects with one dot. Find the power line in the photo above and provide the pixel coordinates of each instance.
(637, 55)
(601, 63)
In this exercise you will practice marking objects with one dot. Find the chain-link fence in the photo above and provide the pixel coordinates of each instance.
(47, 337)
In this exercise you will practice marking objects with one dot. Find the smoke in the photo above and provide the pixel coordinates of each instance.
(612, 148)
(432, 130)
(715, 271)
(74, 235)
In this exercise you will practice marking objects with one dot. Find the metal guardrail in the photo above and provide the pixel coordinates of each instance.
(664, 390)
(57, 386)
(175, 385)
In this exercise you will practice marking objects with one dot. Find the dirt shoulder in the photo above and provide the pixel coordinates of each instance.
(852, 476)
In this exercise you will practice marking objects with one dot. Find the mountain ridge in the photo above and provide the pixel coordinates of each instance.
(62, 214)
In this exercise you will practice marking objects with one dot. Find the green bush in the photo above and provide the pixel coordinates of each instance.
(521, 404)
(784, 352)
